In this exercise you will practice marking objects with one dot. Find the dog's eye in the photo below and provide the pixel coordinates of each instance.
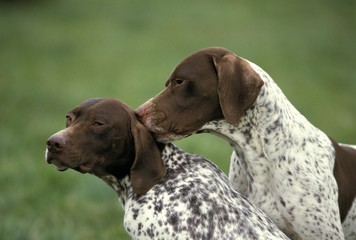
(178, 81)
(68, 120)
(98, 123)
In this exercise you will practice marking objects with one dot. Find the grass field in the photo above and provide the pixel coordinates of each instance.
(55, 54)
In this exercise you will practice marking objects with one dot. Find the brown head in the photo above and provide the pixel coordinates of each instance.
(210, 84)
(102, 137)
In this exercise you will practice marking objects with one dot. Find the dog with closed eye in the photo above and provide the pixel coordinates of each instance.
(166, 193)
(303, 180)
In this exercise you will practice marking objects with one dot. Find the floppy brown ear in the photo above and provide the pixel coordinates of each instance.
(148, 167)
(238, 86)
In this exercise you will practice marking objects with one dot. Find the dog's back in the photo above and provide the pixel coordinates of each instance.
(195, 200)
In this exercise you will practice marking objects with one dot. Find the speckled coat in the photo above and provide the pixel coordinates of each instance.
(284, 165)
(195, 200)
(281, 162)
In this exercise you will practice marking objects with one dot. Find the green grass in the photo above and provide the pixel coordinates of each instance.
(55, 54)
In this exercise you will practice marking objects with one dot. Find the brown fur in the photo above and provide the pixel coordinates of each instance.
(209, 80)
(94, 141)
(345, 175)
(213, 84)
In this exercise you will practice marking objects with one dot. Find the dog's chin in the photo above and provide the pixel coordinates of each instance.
(59, 165)
(84, 168)
(52, 159)
(169, 137)
(62, 168)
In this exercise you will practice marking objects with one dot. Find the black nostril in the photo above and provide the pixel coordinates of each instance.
(55, 143)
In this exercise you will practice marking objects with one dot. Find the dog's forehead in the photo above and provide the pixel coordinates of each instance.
(86, 105)
(200, 61)
(103, 106)
(192, 65)
(91, 102)
(206, 54)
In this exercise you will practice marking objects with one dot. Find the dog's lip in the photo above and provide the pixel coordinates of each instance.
(167, 137)
(85, 167)
(61, 168)
(164, 136)
(58, 164)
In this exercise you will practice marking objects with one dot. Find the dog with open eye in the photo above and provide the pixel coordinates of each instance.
(166, 193)
(302, 179)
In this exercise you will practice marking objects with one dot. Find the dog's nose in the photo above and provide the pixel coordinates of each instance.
(55, 143)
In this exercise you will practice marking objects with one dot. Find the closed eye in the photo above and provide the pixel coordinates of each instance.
(98, 123)
(174, 82)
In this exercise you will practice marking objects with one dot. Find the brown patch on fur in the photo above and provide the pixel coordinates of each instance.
(345, 175)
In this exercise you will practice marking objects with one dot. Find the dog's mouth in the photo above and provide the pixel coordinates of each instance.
(170, 137)
(61, 166)
(167, 137)
(83, 168)
(58, 164)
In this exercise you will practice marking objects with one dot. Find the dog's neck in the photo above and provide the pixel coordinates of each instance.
(265, 127)
(122, 187)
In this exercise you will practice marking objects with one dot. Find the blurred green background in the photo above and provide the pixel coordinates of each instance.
(55, 54)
